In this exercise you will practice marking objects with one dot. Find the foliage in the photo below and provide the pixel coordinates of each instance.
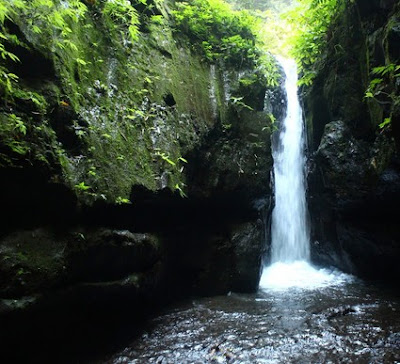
(105, 87)
(13, 131)
(221, 33)
(276, 28)
(48, 19)
(297, 29)
(237, 101)
(82, 187)
(59, 31)
(7, 79)
(123, 15)
(380, 88)
(385, 75)
(52, 22)
(312, 19)
(277, 32)
(122, 201)
(386, 122)
(276, 6)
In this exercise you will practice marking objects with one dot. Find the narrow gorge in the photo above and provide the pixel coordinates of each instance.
(206, 181)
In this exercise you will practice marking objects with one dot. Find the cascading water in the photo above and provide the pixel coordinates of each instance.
(290, 242)
(290, 239)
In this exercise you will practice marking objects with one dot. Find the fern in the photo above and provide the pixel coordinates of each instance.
(123, 17)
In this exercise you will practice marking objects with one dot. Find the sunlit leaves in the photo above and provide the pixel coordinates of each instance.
(221, 31)
(386, 70)
(82, 187)
(380, 89)
(312, 19)
(123, 16)
(385, 123)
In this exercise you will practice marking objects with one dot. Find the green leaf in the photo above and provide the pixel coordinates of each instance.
(81, 61)
(376, 81)
(82, 186)
(181, 192)
(386, 122)
(166, 158)
(121, 200)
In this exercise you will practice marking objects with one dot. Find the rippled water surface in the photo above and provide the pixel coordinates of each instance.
(351, 323)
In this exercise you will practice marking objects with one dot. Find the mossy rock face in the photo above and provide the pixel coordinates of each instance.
(345, 70)
(339, 90)
(109, 129)
(105, 112)
(353, 153)
(31, 261)
(238, 161)
(34, 262)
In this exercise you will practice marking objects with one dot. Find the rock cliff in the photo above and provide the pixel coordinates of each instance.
(133, 169)
(352, 121)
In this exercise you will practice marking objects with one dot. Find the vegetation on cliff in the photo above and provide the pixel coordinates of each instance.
(110, 94)
(136, 103)
(221, 33)
(299, 29)
(104, 73)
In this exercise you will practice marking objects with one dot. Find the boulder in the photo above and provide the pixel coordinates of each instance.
(249, 248)
(351, 168)
(40, 262)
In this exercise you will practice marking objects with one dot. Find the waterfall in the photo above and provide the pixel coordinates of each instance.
(290, 240)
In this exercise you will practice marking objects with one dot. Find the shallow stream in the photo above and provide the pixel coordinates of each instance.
(353, 322)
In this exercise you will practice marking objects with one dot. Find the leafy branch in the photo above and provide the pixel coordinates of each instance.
(380, 89)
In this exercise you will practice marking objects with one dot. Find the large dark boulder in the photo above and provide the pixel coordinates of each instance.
(42, 262)
(228, 261)
(350, 167)
(249, 248)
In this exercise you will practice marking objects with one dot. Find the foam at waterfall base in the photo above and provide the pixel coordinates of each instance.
(300, 274)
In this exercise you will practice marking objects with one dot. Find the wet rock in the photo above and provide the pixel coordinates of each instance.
(350, 167)
(394, 39)
(235, 157)
(349, 197)
(44, 260)
(8, 306)
(340, 311)
(353, 175)
(248, 248)
(220, 262)
(235, 166)
(108, 255)
(343, 161)
(31, 261)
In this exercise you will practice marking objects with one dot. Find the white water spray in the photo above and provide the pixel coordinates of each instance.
(290, 238)
(290, 241)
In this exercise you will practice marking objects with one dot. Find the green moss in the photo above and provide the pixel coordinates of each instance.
(118, 99)
(35, 260)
